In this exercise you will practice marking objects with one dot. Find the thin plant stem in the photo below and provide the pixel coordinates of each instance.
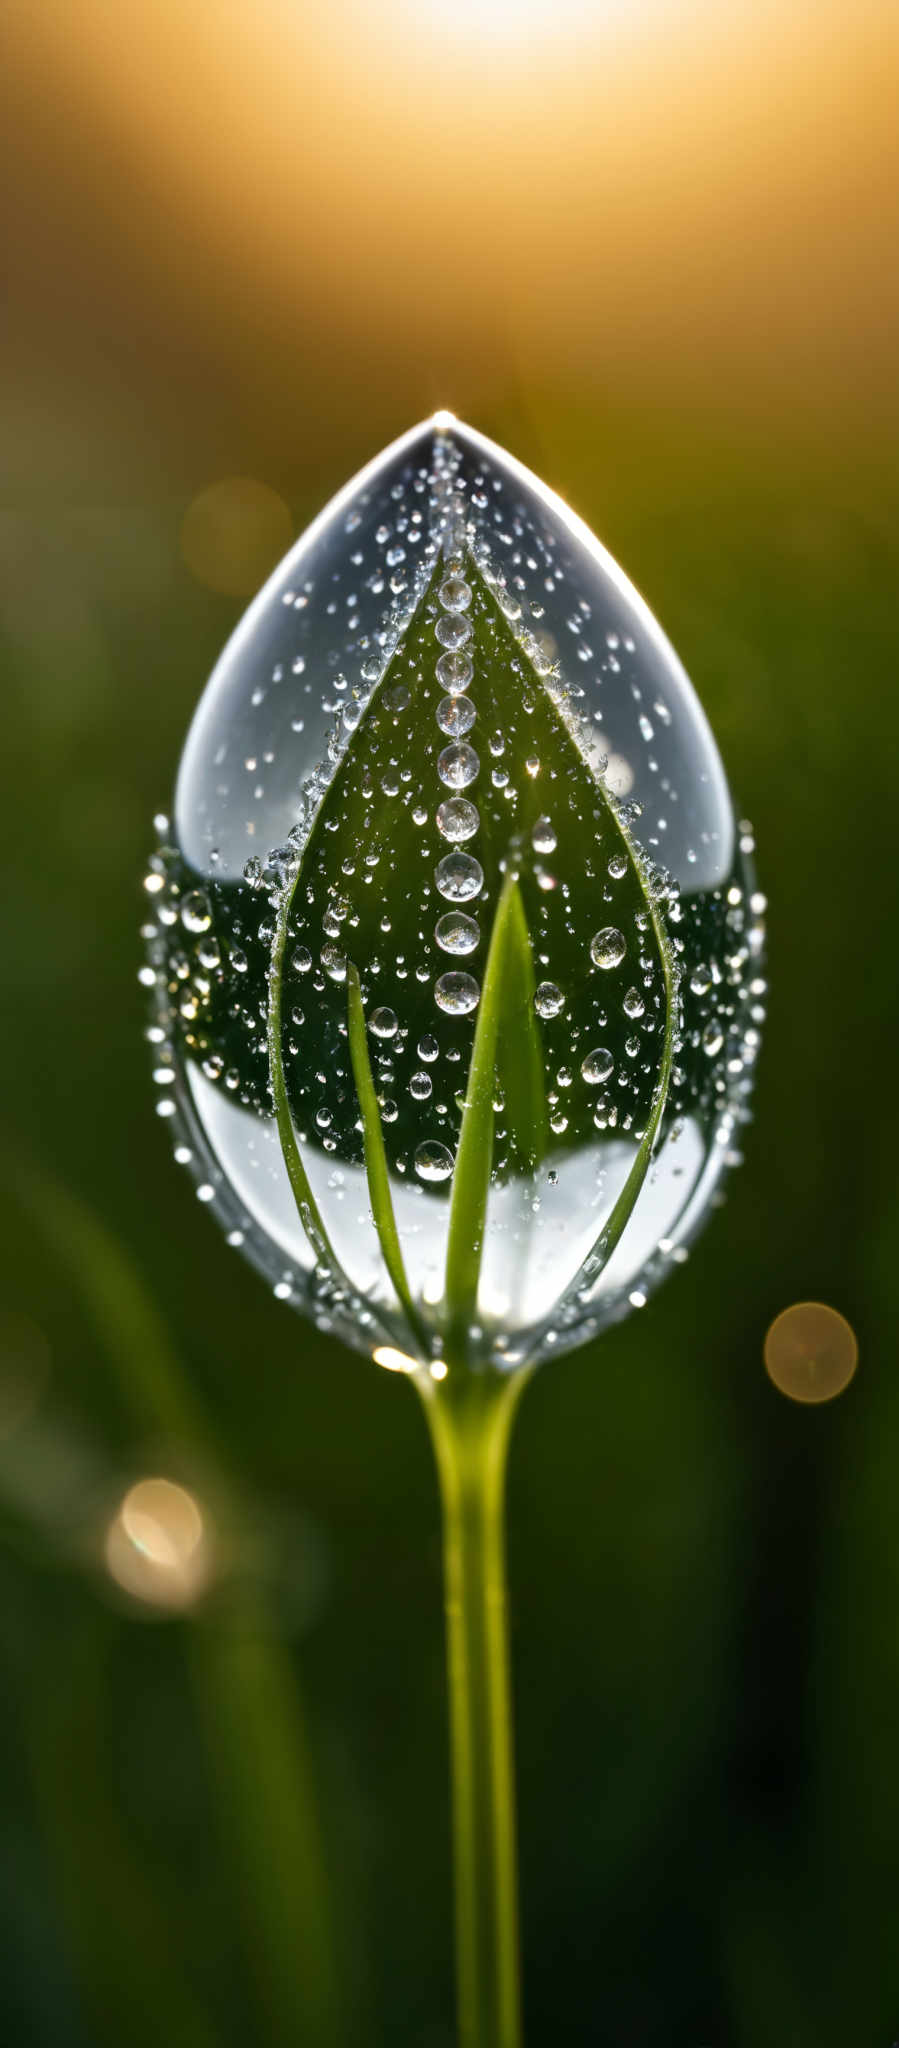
(470, 1416)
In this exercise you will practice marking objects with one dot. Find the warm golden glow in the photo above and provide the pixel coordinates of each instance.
(811, 1352)
(631, 182)
(234, 533)
(158, 1545)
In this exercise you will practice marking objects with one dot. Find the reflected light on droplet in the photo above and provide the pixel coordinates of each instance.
(234, 533)
(439, 1369)
(811, 1352)
(394, 1361)
(158, 1546)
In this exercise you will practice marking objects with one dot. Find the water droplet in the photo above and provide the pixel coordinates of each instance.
(459, 877)
(452, 631)
(383, 1023)
(456, 933)
(457, 819)
(597, 1066)
(458, 766)
(334, 963)
(454, 594)
(454, 672)
(433, 1162)
(456, 715)
(457, 993)
(633, 1005)
(608, 948)
(548, 999)
(196, 915)
(342, 687)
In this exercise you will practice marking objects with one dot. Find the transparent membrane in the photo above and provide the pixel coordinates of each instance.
(448, 683)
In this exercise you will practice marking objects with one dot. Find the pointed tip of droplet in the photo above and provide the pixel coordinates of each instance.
(444, 421)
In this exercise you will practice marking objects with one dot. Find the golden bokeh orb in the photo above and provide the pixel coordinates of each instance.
(158, 1545)
(810, 1352)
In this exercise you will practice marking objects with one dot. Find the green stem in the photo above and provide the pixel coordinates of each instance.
(470, 1417)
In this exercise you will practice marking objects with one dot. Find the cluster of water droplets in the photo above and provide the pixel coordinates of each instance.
(352, 759)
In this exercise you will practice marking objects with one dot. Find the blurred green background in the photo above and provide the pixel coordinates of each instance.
(652, 250)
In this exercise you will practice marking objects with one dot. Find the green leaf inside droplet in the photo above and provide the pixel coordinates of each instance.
(367, 889)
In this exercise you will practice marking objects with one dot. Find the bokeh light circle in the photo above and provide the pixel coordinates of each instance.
(158, 1545)
(811, 1352)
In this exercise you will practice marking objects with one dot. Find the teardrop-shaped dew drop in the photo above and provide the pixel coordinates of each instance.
(310, 780)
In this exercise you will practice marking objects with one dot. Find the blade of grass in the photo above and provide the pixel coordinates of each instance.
(506, 1035)
(248, 1706)
(239, 1670)
(307, 1207)
(132, 1333)
(376, 1157)
(612, 1230)
(130, 1942)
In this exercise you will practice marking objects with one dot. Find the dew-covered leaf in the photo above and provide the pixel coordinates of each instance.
(448, 683)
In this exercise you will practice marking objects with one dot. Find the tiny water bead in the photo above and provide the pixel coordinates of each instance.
(384, 1023)
(454, 671)
(457, 819)
(608, 947)
(597, 1066)
(457, 994)
(455, 595)
(458, 766)
(459, 877)
(456, 715)
(548, 999)
(456, 933)
(326, 881)
(453, 632)
(433, 1162)
(196, 915)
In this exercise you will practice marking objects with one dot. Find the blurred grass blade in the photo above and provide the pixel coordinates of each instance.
(375, 1156)
(130, 1947)
(247, 1700)
(245, 1692)
(132, 1334)
(506, 1044)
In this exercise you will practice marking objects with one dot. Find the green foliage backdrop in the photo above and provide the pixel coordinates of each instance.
(234, 1828)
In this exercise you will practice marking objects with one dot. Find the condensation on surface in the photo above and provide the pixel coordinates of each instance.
(364, 657)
